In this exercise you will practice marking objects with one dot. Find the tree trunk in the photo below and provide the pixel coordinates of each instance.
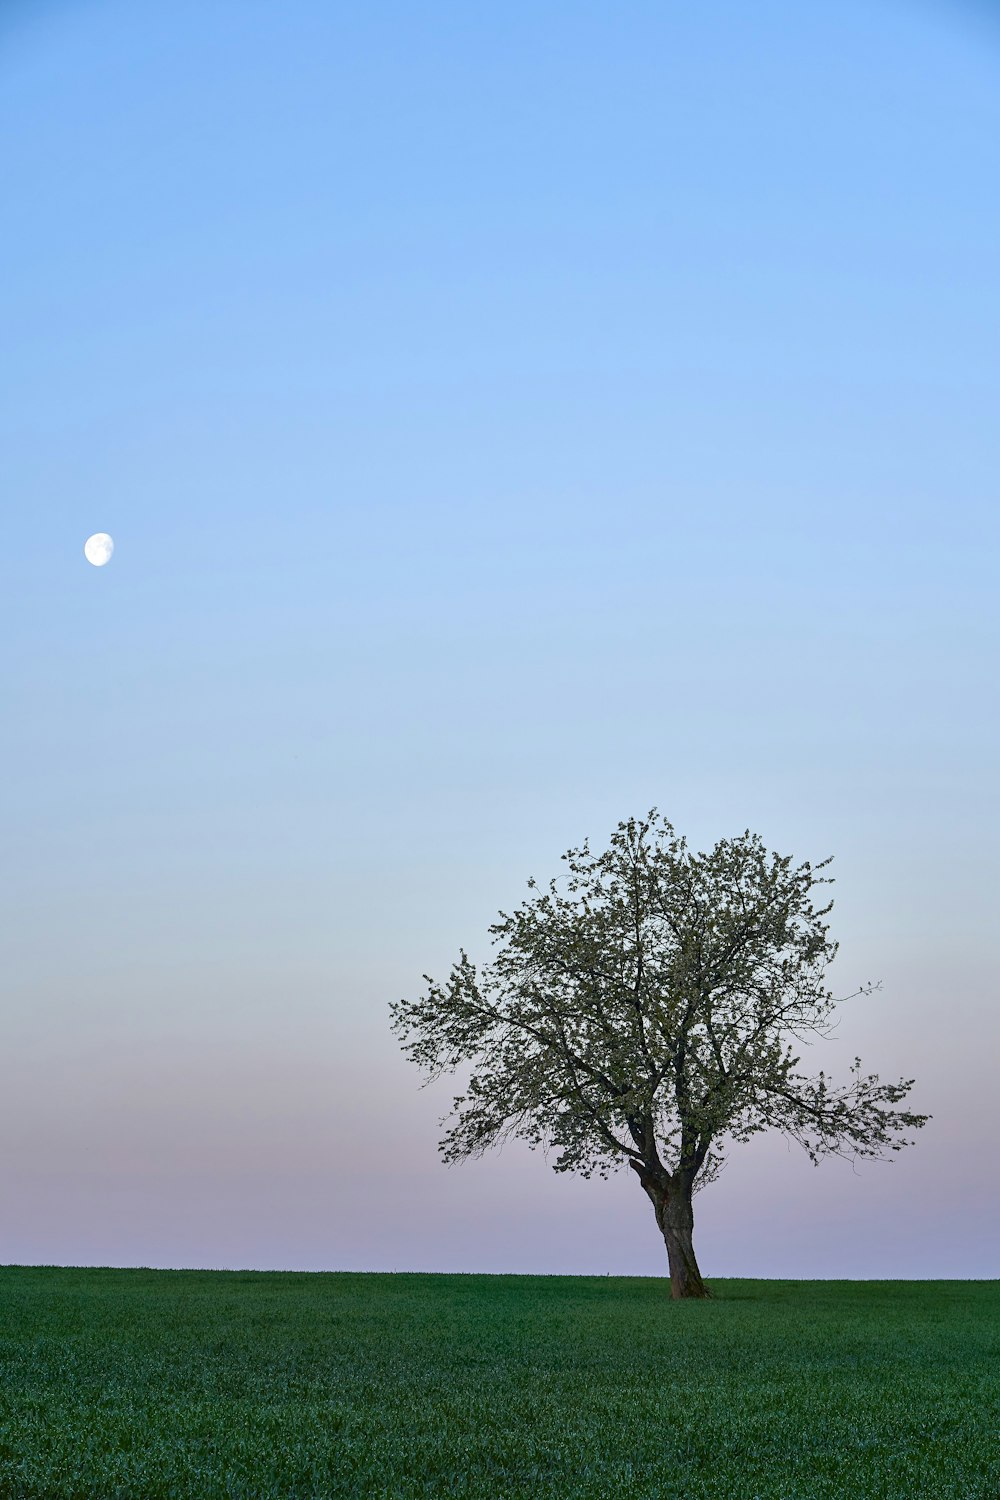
(671, 1200)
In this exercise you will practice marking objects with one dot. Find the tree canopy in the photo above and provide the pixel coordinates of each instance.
(643, 1015)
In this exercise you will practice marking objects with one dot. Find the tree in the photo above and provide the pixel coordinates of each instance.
(642, 1017)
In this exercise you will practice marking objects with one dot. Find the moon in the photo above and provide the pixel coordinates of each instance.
(97, 549)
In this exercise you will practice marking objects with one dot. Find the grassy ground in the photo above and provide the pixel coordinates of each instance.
(136, 1385)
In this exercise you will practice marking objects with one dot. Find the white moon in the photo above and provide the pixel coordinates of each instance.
(97, 549)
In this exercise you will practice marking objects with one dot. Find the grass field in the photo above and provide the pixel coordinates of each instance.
(148, 1384)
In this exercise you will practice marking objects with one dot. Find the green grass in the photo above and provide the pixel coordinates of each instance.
(203, 1384)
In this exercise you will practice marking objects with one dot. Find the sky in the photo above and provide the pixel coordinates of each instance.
(509, 419)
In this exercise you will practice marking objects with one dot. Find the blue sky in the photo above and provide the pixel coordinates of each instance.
(508, 420)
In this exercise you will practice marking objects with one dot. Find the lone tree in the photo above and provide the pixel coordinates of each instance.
(643, 1017)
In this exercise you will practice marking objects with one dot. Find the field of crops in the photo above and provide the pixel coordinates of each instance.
(137, 1385)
